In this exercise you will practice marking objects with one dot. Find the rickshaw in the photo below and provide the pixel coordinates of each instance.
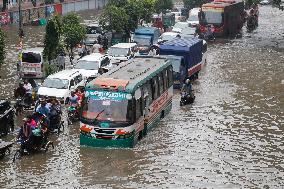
(38, 142)
(6, 117)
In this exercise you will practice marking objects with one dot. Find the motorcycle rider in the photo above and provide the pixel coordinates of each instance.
(187, 88)
(55, 113)
(29, 91)
(43, 109)
(20, 91)
(25, 132)
(73, 99)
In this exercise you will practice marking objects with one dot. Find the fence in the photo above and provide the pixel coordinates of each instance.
(28, 15)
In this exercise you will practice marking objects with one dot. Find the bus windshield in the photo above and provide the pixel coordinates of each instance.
(142, 40)
(107, 106)
(31, 57)
(211, 17)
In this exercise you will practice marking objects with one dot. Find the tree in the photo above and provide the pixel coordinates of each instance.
(114, 18)
(73, 33)
(189, 4)
(118, 3)
(148, 9)
(52, 37)
(163, 5)
(134, 10)
(2, 46)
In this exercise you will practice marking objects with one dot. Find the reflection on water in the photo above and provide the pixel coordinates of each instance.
(231, 137)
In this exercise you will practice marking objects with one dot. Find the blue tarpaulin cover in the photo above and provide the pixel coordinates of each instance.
(189, 48)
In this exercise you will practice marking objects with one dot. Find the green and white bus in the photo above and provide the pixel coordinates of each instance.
(122, 105)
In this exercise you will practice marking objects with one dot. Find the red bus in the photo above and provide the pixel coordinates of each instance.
(225, 17)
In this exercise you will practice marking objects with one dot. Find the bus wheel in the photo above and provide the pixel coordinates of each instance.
(140, 135)
(145, 130)
(162, 114)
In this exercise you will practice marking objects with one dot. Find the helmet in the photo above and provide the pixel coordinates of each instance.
(187, 81)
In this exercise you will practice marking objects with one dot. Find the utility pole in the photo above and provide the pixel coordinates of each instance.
(21, 32)
(21, 35)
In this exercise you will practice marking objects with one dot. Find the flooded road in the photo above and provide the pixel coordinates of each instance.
(231, 137)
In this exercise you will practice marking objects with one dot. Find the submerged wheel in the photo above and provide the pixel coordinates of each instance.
(17, 155)
(49, 143)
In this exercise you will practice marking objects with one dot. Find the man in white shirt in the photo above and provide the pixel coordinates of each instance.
(29, 90)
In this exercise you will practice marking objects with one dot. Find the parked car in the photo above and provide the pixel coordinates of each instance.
(89, 65)
(60, 85)
(6, 117)
(193, 19)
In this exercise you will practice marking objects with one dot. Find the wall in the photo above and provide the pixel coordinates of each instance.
(28, 15)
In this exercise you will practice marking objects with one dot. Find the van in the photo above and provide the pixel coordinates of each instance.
(193, 19)
(60, 85)
(89, 65)
(31, 65)
(122, 52)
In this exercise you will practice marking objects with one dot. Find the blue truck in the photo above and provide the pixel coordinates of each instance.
(186, 56)
(146, 38)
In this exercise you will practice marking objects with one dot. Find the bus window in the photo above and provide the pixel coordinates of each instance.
(155, 88)
(165, 76)
(147, 92)
(170, 71)
(161, 83)
(139, 107)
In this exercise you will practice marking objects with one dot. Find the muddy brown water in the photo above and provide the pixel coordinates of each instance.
(231, 137)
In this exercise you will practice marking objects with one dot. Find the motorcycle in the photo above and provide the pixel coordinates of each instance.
(56, 124)
(21, 105)
(72, 115)
(251, 23)
(186, 98)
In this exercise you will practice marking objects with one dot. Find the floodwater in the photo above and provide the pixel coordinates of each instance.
(231, 137)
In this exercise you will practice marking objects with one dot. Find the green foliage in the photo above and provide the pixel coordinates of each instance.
(73, 32)
(118, 3)
(148, 8)
(249, 3)
(189, 4)
(163, 5)
(114, 18)
(2, 46)
(123, 15)
(49, 69)
(52, 38)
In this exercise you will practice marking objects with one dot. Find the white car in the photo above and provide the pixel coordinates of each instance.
(89, 65)
(193, 19)
(122, 52)
(179, 26)
(60, 85)
(264, 2)
(167, 36)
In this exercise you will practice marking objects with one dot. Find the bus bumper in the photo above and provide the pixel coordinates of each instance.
(106, 143)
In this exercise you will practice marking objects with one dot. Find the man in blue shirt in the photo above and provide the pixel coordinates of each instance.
(43, 109)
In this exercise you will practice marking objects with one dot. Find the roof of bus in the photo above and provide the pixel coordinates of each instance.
(131, 74)
(124, 45)
(35, 50)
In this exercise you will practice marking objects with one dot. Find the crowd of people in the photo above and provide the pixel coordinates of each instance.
(46, 116)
